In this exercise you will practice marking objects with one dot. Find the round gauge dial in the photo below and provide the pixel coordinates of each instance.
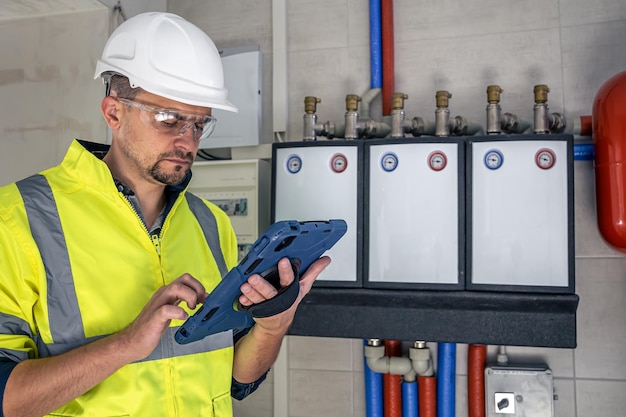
(437, 160)
(338, 163)
(294, 164)
(493, 159)
(545, 158)
(389, 161)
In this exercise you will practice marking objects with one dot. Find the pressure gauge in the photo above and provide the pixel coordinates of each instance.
(338, 163)
(437, 160)
(389, 161)
(294, 164)
(545, 158)
(493, 159)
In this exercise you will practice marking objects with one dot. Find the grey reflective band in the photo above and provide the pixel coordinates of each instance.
(207, 221)
(14, 325)
(169, 348)
(45, 226)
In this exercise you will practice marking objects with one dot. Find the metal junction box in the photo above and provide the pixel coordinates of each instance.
(241, 189)
(519, 390)
(321, 180)
(414, 213)
(520, 213)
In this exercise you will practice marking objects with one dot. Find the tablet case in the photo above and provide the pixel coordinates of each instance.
(301, 242)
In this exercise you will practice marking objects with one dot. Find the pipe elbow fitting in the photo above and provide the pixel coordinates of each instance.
(378, 362)
(421, 361)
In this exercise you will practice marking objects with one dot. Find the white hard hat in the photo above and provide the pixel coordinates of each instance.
(168, 56)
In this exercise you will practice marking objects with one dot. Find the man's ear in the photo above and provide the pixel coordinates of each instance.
(109, 108)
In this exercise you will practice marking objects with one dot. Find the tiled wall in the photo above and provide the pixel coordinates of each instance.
(573, 46)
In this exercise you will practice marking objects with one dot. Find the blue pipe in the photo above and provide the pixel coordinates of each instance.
(446, 373)
(409, 399)
(584, 152)
(373, 390)
(376, 59)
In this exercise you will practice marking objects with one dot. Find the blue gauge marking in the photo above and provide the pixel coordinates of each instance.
(294, 164)
(389, 161)
(493, 159)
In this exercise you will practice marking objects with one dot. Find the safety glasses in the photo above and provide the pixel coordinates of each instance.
(175, 122)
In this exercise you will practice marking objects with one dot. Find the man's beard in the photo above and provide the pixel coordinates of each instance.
(171, 178)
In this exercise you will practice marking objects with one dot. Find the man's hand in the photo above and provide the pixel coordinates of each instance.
(142, 336)
(257, 290)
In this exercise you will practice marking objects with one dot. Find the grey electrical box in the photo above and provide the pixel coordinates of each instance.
(242, 78)
(242, 189)
(519, 390)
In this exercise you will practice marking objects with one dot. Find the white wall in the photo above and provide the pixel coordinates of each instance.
(47, 92)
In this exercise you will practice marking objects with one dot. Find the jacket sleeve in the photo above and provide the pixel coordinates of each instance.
(19, 285)
(6, 366)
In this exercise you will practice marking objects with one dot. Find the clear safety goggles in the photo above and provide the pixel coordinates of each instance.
(175, 122)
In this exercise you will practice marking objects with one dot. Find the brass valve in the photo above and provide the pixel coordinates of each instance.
(310, 104)
(397, 101)
(442, 99)
(493, 94)
(352, 102)
(541, 93)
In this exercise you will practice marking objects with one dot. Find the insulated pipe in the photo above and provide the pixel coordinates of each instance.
(387, 54)
(476, 358)
(584, 152)
(409, 399)
(427, 396)
(375, 46)
(392, 389)
(586, 125)
(373, 387)
(446, 373)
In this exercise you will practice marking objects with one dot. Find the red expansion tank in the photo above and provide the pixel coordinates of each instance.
(609, 137)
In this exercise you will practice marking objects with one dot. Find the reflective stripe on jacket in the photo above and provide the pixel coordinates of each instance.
(78, 264)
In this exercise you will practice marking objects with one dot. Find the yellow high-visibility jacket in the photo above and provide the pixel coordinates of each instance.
(77, 264)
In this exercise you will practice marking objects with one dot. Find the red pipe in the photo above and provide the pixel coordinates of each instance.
(427, 396)
(609, 137)
(392, 398)
(386, 17)
(585, 125)
(476, 358)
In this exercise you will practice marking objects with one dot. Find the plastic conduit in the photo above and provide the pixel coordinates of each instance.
(409, 399)
(476, 357)
(446, 373)
(427, 396)
(375, 45)
(373, 390)
(388, 54)
(392, 384)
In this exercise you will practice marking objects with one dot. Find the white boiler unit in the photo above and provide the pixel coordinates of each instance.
(520, 213)
(414, 213)
(321, 180)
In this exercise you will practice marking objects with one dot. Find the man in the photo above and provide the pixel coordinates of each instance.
(102, 259)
